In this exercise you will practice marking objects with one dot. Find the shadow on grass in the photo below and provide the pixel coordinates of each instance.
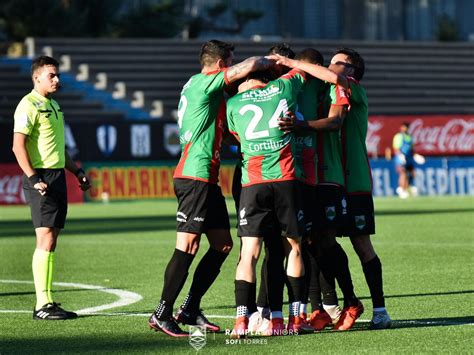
(424, 211)
(368, 298)
(95, 225)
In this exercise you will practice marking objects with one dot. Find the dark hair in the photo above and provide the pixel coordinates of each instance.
(41, 62)
(264, 76)
(213, 50)
(406, 124)
(282, 49)
(356, 60)
(311, 55)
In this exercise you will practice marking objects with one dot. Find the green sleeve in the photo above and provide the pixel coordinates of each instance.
(215, 82)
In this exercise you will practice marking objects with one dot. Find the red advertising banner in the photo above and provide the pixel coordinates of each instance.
(11, 187)
(114, 182)
(433, 135)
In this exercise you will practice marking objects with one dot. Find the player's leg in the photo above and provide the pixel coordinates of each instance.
(361, 227)
(289, 212)
(245, 283)
(220, 244)
(192, 207)
(49, 214)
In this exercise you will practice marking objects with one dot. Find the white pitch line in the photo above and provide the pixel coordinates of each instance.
(125, 297)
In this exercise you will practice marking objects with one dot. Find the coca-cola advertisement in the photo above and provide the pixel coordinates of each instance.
(11, 187)
(432, 135)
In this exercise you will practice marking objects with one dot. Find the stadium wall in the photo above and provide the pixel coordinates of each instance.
(116, 181)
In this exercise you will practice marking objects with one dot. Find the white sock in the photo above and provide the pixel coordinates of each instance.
(303, 308)
(242, 311)
(334, 311)
(295, 308)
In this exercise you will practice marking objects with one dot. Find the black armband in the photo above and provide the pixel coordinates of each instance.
(79, 171)
(34, 179)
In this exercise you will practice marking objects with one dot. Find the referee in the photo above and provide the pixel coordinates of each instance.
(38, 145)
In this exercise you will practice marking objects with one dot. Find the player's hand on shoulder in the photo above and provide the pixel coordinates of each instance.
(288, 123)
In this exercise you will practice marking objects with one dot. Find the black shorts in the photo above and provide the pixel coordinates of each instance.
(49, 210)
(309, 198)
(201, 206)
(361, 219)
(331, 207)
(268, 205)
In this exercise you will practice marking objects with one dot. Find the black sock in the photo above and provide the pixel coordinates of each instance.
(262, 299)
(251, 304)
(307, 274)
(276, 276)
(328, 290)
(244, 291)
(314, 285)
(297, 286)
(206, 273)
(373, 276)
(175, 276)
(335, 258)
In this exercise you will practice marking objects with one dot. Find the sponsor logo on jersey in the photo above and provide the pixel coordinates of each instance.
(269, 145)
(186, 137)
(181, 217)
(243, 221)
(269, 92)
(360, 221)
(330, 212)
(305, 141)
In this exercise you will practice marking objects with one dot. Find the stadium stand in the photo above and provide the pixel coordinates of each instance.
(401, 78)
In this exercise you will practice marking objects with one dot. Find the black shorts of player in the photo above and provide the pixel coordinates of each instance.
(201, 206)
(331, 207)
(49, 210)
(264, 206)
(309, 198)
(361, 219)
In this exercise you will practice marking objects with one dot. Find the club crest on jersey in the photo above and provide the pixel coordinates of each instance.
(344, 206)
(243, 221)
(360, 221)
(330, 212)
(300, 215)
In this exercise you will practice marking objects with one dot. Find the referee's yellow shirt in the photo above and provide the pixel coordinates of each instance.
(41, 119)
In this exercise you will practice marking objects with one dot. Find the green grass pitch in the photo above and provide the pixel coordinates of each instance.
(426, 246)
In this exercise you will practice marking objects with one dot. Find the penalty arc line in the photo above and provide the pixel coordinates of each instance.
(125, 297)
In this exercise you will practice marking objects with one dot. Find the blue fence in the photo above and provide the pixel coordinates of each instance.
(438, 176)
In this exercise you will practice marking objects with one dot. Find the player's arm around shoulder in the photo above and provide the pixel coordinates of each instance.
(242, 69)
(318, 71)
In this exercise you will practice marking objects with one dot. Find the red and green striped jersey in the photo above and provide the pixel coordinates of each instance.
(330, 168)
(253, 115)
(201, 119)
(354, 150)
(309, 100)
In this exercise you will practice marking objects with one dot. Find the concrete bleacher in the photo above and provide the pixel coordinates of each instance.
(401, 78)
(16, 82)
